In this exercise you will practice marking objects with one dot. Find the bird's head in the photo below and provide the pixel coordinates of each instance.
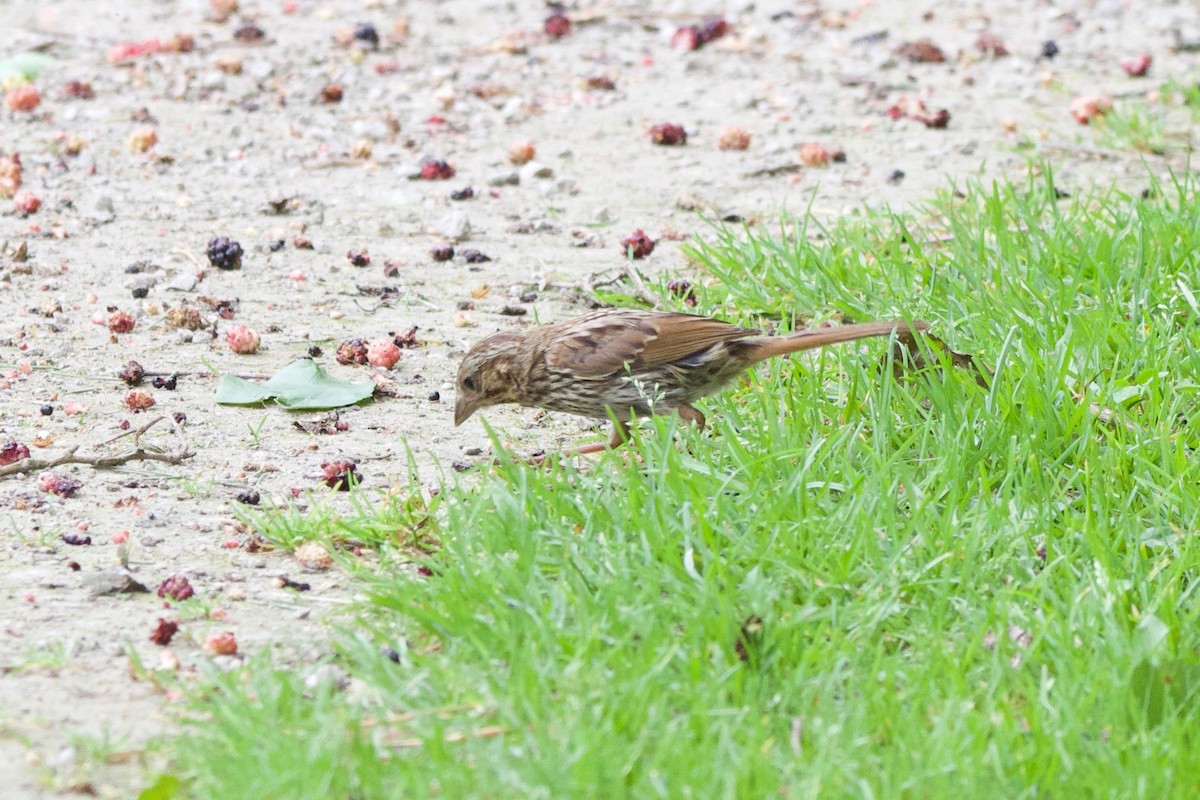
(485, 376)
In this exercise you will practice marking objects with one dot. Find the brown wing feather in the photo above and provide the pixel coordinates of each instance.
(600, 344)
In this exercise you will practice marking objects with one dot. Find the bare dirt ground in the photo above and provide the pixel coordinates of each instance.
(254, 144)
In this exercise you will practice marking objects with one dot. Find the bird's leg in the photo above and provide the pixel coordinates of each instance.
(620, 436)
(689, 413)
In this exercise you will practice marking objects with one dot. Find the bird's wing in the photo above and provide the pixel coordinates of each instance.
(601, 344)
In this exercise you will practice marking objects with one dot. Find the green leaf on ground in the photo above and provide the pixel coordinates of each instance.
(301, 385)
(25, 65)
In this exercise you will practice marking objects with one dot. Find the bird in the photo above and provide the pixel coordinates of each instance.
(630, 362)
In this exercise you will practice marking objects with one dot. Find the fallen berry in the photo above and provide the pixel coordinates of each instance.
(465, 193)
(313, 556)
(435, 396)
(46, 409)
(75, 539)
(686, 38)
(521, 152)
(557, 25)
(81, 90)
(224, 253)
(1136, 66)
(637, 245)
(185, 316)
(475, 257)
(162, 633)
(352, 351)
(813, 154)
(367, 34)
(600, 83)
(221, 644)
(922, 51)
(733, 139)
(330, 93)
(176, 587)
(442, 252)
(340, 474)
(383, 353)
(22, 98)
(991, 44)
(169, 383)
(10, 174)
(26, 202)
(1049, 49)
(248, 497)
(250, 34)
(713, 28)
(121, 322)
(408, 339)
(143, 138)
(668, 134)
(243, 339)
(1087, 107)
(12, 451)
(59, 484)
(137, 401)
(436, 170)
(359, 258)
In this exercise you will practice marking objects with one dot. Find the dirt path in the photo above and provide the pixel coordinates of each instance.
(250, 145)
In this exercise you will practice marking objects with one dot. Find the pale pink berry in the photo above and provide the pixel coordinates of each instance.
(22, 98)
(1089, 106)
(383, 353)
(26, 202)
(813, 154)
(143, 139)
(242, 339)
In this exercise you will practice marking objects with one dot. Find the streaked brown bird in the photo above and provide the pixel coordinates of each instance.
(629, 362)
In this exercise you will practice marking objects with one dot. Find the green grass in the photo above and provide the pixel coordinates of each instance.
(852, 586)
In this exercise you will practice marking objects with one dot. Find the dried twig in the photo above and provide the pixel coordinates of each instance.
(182, 453)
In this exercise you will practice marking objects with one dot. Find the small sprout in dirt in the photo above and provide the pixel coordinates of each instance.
(331, 93)
(521, 153)
(313, 556)
(75, 539)
(59, 484)
(814, 154)
(248, 497)
(176, 587)
(143, 138)
(121, 322)
(224, 253)
(683, 289)
(637, 245)
(1089, 106)
(12, 451)
(46, 409)
(243, 339)
(990, 44)
(442, 252)
(383, 353)
(1136, 66)
(22, 98)
(26, 202)
(352, 351)
(340, 474)
(137, 401)
(359, 258)
(668, 134)
(367, 34)
(284, 582)
(436, 170)
(435, 396)
(407, 340)
(475, 257)
(557, 25)
(1049, 49)
(162, 633)
(221, 644)
(80, 90)
(922, 51)
(733, 139)
(168, 383)
(465, 193)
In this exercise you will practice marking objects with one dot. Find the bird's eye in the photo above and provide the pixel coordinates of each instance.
(469, 383)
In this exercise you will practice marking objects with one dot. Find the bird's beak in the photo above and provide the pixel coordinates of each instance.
(463, 408)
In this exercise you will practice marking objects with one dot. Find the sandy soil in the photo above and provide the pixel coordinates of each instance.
(247, 149)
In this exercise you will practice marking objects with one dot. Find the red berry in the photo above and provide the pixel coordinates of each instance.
(637, 244)
(668, 134)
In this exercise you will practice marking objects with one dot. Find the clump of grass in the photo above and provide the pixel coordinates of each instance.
(852, 586)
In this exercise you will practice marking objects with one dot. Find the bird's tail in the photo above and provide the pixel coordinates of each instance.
(769, 346)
